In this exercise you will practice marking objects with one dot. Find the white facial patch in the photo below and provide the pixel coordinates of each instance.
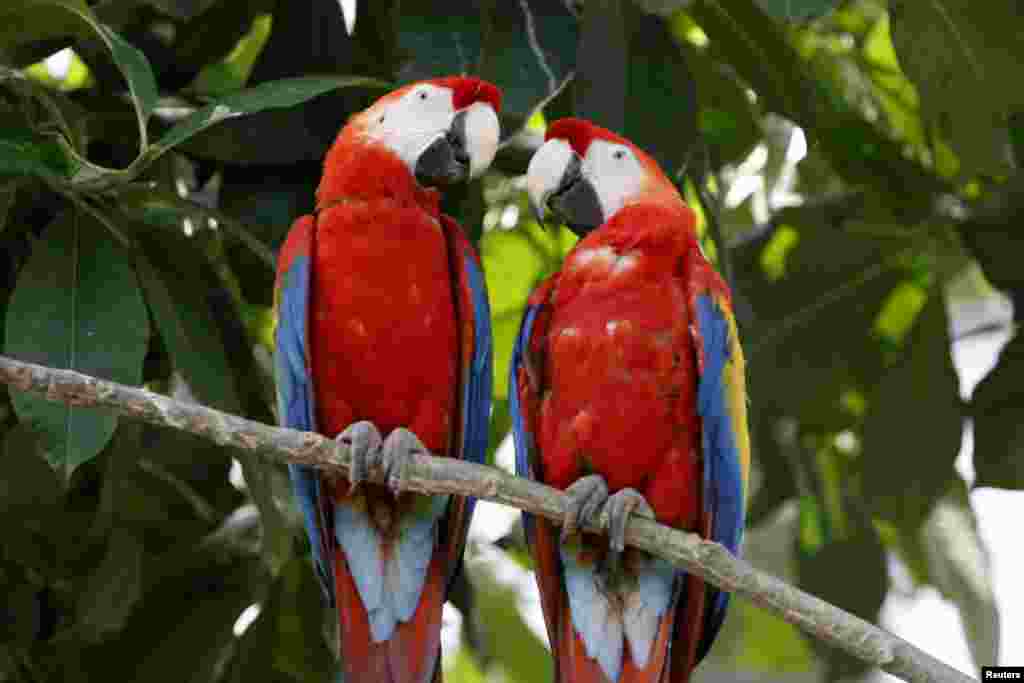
(409, 125)
(615, 173)
(482, 133)
(547, 166)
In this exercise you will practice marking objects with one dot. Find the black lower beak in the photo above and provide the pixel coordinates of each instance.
(446, 160)
(576, 202)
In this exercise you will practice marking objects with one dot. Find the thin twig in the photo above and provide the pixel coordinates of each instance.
(435, 475)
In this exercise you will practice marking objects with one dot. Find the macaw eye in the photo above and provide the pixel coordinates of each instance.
(381, 119)
(619, 154)
(423, 94)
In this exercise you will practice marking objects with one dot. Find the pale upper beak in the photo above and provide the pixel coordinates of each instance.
(464, 151)
(479, 127)
(545, 173)
(556, 184)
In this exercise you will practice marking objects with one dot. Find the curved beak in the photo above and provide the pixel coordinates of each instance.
(464, 150)
(557, 186)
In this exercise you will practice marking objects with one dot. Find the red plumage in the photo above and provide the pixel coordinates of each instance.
(608, 385)
(381, 288)
(390, 339)
(619, 351)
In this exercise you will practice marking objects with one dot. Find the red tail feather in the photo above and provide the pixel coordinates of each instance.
(413, 653)
(574, 666)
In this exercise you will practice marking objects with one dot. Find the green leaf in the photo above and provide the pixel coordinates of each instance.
(862, 549)
(755, 45)
(759, 50)
(501, 423)
(280, 94)
(602, 65)
(662, 116)
(792, 10)
(131, 62)
(196, 595)
(77, 305)
(110, 592)
(181, 9)
(75, 19)
(206, 38)
(521, 655)
(28, 21)
(1017, 136)
(997, 406)
(25, 153)
(462, 667)
(233, 71)
(992, 235)
(8, 192)
(175, 281)
(899, 311)
(179, 313)
(515, 261)
(913, 424)
(527, 48)
(753, 639)
(272, 494)
(728, 122)
(29, 490)
(961, 55)
(821, 308)
(22, 614)
(287, 636)
(960, 566)
(894, 91)
(138, 73)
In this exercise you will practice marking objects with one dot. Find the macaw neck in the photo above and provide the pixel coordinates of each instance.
(640, 243)
(356, 169)
(671, 227)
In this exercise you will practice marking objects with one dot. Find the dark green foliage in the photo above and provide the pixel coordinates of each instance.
(144, 193)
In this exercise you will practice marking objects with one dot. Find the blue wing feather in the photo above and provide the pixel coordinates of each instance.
(524, 443)
(476, 375)
(723, 472)
(295, 396)
(479, 375)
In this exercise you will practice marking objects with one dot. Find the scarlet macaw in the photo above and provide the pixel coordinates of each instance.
(384, 329)
(627, 392)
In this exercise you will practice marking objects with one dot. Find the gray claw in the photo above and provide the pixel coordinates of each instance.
(586, 496)
(364, 442)
(397, 453)
(620, 506)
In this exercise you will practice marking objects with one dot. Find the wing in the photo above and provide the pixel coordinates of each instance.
(722, 405)
(524, 391)
(294, 380)
(476, 372)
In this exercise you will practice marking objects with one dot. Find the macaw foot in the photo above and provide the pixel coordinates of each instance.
(364, 442)
(397, 454)
(620, 507)
(586, 497)
(589, 495)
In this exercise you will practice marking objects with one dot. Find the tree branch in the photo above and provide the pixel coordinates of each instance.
(435, 475)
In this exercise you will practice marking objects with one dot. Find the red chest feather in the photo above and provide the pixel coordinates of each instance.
(383, 341)
(621, 368)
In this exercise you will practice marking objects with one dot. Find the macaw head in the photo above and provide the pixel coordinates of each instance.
(584, 174)
(444, 130)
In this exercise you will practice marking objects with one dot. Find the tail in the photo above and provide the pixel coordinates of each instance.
(574, 665)
(413, 652)
(614, 626)
(689, 631)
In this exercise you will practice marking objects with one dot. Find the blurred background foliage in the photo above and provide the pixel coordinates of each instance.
(856, 169)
